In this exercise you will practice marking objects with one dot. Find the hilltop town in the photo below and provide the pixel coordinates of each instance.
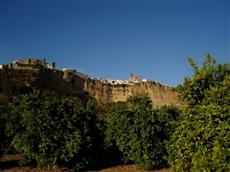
(35, 64)
(71, 81)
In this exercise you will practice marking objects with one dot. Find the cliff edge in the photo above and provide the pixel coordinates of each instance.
(21, 75)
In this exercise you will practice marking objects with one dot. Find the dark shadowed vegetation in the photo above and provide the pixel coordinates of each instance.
(139, 131)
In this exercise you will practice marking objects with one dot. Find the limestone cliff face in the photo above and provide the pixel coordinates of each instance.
(102, 92)
(70, 83)
(107, 93)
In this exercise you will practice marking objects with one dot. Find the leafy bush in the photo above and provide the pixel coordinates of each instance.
(201, 141)
(2, 131)
(139, 131)
(55, 131)
(210, 74)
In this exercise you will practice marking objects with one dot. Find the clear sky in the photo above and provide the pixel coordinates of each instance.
(110, 38)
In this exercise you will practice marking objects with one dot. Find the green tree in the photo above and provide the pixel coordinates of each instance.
(2, 131)
(210, 74)
(55, 131)
(201, 141)
(139, 131)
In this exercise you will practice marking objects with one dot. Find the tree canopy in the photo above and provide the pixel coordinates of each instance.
(201, 141)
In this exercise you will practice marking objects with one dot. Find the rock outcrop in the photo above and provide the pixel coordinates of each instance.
(107, 93)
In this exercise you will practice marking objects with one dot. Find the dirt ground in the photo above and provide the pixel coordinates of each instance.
(8, 163)
(130, 168)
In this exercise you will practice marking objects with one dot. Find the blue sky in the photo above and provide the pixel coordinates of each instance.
(109, 39)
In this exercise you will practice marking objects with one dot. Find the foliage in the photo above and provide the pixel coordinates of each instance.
(2, 131)
(201, 141)
(55, 131)
(210, 74)
(139, 131)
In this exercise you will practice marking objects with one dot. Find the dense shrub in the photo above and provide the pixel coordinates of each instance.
(55, 131)
(201, 141)
(139, 131)
(210, 74)
(2, 131)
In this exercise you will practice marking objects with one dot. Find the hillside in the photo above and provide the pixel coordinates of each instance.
(15, 81)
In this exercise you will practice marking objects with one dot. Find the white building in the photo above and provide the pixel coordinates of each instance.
(50, 66)
(69, 70)
(117, 82)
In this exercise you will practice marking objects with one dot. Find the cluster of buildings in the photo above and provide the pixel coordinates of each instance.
(113, 81)
(132, 79)
(34, 64)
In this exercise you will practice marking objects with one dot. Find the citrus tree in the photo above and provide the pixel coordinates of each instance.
(139, 131)
(201, 141)
(55, 131)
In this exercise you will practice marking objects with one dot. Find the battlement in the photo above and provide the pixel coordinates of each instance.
(29, 64)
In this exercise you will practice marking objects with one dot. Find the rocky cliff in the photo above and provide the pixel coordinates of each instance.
(17, 81)
(106, 93)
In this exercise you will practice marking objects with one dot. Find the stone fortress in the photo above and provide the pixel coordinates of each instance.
(28, 64)
(104, 90)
